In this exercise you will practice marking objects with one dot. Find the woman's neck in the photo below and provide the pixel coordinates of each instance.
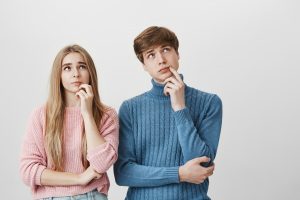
(72, 100)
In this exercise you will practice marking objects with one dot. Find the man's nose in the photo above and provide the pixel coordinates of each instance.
(161, 58)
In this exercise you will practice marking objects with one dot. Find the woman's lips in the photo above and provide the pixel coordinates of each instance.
(77, 83)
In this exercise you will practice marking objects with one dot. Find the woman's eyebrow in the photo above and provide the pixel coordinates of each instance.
(66, 64)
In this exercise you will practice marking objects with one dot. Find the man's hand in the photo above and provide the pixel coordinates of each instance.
(175, 88)
(193, 172)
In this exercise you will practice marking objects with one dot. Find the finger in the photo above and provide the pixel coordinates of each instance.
(201, 159)
(82, 94)
(98, 176)
(167, 91)
(172, 86)
(210, 169)
(88, 88)
(173, 80)
(176, 74)
(81, 89)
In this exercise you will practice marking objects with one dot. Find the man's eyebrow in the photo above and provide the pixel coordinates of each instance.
(165, 45)
(149, 51)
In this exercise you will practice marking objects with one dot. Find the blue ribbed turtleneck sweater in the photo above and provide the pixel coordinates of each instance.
(155, 141)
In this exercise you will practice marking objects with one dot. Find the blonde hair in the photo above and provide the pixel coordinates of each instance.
(55, 107)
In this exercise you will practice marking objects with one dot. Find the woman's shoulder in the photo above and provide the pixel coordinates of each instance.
(110, 112)
(36, 118)
(39, 111)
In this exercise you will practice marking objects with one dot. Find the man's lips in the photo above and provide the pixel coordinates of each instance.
(164, 69)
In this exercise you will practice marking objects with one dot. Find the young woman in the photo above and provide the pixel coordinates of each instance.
(72, 140)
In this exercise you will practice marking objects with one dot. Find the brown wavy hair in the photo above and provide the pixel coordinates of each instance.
(153, 36)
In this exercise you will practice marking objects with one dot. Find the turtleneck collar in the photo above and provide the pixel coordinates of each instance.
(157, 89)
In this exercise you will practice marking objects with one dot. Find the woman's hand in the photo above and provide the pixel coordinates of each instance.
(88, 175)
(86, 96)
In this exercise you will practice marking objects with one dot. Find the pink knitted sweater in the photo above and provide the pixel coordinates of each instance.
(34, 160)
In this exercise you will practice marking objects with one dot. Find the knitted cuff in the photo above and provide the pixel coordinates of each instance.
(182, 116)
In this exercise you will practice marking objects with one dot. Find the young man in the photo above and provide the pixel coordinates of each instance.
(168, 135)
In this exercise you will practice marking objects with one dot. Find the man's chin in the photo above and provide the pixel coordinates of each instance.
(165, 77)
(160, 78)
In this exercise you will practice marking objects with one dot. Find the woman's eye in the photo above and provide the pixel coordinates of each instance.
(67, 68)
(82, 67)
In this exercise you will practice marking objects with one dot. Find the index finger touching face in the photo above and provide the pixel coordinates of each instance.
(87, 88)
(176, 74)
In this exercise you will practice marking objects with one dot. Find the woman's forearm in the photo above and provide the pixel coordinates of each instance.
(54, 178)
(93, 137)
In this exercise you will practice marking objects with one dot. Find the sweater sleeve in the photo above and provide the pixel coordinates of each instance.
(130, 173)
(105, 155)
(203, 141)
(33, 158)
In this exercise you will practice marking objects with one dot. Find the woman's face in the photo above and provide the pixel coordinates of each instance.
(74, 72)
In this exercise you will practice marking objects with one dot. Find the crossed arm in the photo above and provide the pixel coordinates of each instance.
(33, 164)
(195, 151)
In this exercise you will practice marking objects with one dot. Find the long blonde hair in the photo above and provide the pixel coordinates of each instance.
(56, 105)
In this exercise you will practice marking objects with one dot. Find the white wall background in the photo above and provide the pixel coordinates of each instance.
(247, 51)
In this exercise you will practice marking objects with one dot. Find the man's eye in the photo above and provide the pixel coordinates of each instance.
(151, 55)
(166, 49)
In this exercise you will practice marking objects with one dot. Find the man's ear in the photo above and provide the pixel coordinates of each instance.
(178, 55)
(145, 67)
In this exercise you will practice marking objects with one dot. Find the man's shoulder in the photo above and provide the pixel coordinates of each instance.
(197, 93)
(135, 99)
(206, 100)
(138, 99)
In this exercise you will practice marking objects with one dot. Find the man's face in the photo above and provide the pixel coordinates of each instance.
(157, 61)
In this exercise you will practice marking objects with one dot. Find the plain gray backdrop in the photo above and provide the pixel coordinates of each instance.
(247, 52)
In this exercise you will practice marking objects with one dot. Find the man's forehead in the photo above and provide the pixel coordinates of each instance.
(159, 46)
